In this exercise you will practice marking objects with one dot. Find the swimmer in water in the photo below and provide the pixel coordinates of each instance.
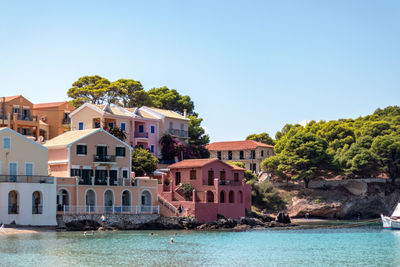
(84, 234)
(171, 240)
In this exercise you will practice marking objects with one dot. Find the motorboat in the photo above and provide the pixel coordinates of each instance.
(392, 222)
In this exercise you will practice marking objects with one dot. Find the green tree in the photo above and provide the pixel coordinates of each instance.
(304, 157)
(166, 98)
(249, 176)
(262, 137)
(387, 150)
(196, 132)
(92, 89)
(143, 162)
(125, 92)
(265, 196)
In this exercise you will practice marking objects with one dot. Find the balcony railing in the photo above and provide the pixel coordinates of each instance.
(141, 134)
(124, 209)
(177, 132)
(22, 117)
(104, 158)
(26, 179)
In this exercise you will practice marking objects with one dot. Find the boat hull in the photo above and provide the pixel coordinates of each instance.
(389, 223)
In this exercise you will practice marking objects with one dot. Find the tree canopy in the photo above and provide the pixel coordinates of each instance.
(262, 137)
(143, 162)
(361, 147)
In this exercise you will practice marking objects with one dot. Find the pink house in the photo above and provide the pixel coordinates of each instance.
(219, 188)
(93, 170)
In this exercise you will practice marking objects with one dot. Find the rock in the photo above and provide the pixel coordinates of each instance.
(82, 225)
(283, 218)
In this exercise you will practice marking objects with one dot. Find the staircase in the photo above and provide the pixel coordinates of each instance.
(166, 204)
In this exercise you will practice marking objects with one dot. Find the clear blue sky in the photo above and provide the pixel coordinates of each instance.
(249, 66)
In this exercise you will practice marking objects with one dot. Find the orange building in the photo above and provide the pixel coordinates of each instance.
(56, 115)
(16, 112)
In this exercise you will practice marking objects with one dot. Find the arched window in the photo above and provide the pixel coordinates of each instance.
(62, 200)
(222, 197)
(231, 197)
(240, 197)
(108, 200)
(90, 200)
(126, 201)
(13, 202)
(37, 207)
(210, 196)
(146, 201)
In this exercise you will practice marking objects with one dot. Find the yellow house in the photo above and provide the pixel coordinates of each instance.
(27, 193)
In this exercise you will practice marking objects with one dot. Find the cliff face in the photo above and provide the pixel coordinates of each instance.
(344, 199)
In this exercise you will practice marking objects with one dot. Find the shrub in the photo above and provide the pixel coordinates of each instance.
(265, 196)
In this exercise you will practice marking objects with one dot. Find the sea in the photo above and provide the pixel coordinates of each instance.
(361, 246)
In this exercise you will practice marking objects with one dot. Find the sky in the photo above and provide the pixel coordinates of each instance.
(249, 66)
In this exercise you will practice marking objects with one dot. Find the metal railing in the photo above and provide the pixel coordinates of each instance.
(4, 116)
(103, 158)
(88, 209)
(177, 132)
(27, 179)
(141, 134)
(22, 117)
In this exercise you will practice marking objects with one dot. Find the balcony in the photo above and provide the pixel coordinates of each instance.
(179, 133)
(104, 158)
(22, 117)
(141, 135)
(27, 179)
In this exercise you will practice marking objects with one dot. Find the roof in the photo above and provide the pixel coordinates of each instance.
(9, 98)
(168, 113)
(237, 168)
(236, 145)
(22, 136)
(146, 115)
(49, 105)
(69, 137)
(192, 163)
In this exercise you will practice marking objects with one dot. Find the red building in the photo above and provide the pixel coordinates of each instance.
(218, 188)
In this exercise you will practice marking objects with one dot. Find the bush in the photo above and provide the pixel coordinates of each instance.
(187, 190)
(265, 196)
(143, 162)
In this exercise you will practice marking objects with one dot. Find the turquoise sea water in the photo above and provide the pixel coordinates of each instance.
(367, 246)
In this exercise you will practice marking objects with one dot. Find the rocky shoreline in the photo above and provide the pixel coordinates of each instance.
(254, 221)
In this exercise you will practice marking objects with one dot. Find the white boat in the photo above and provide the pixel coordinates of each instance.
(392, 222)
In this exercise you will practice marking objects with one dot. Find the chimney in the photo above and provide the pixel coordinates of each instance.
(185, 113)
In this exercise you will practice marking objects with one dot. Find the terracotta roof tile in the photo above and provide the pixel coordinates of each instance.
(49, 105)
(236, 145)
(69, 137)
(9, 98)
(191, 163)
(169, 113)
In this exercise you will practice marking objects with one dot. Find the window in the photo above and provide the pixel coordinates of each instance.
(262, 153)
(219, 154)
(253, 154)
(13, 171)
(241, 154)
(253, 167)
(192, 174)
(236, 177)
(170, 125)
(36, 203)
(111, 125)
(6, 143)
(120, 151)
(26, 131)
(230, 155)
(97, 124)
(152, 129)
(28, 168)
(151, 148)
(141, 128)
(177, 178)
(80, 127)
(81, 149)
(222, 175)
(124, 174)
(123, 126)
(210, 177)
(268, 152)
(75, 172)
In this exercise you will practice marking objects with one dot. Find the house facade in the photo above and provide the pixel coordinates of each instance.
(249, 152)
(93, 170)
(218, 188)
(16, 113)
(27, 193)
(56, 115)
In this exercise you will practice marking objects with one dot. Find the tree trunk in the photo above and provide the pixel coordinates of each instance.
(306, 182)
